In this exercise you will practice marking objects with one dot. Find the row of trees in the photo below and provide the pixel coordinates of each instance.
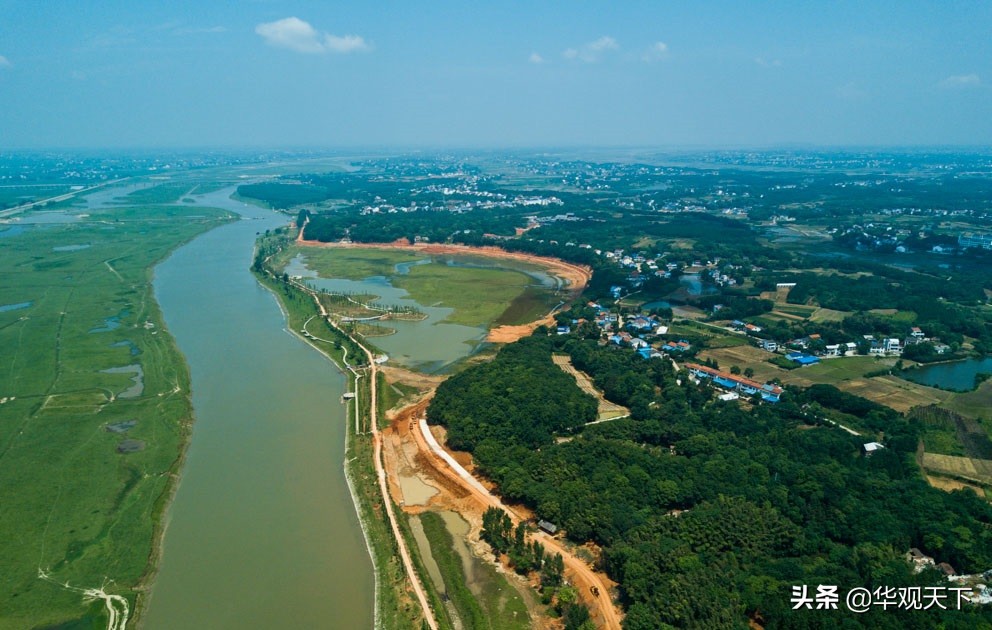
(524, 556)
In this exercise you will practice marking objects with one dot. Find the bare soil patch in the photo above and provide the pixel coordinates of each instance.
(949, 485)
(606, 409)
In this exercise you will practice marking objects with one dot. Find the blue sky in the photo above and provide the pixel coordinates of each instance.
(345, 74)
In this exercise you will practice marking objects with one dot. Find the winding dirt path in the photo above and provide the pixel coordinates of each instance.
(586, 580)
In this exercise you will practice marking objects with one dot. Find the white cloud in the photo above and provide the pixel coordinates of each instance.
(294, 34)
(592, 51)
(345, 43)
(655, 52)
(4, 62)
(961, 81)
(604, 43)
(535, 58)
(768, 63)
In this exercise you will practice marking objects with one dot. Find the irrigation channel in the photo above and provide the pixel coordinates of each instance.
(262, 532)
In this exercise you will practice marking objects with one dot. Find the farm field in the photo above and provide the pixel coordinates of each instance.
(93, 386)
(961, 468)
(716, 336)
(950, 485)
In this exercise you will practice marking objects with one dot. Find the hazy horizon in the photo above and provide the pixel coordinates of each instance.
(284, 75)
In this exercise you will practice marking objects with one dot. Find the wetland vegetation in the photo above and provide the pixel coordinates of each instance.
(81, 508)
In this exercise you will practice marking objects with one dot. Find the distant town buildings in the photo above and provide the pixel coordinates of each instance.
(983, 241)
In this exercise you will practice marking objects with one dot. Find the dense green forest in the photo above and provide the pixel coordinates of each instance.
(437, 226)
(527, 401)
(708, 512)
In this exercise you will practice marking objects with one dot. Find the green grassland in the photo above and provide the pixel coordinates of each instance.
(14, 195)
(479, 296)
(70, 504)
(974, 404)
(350, 264)
(160, 193)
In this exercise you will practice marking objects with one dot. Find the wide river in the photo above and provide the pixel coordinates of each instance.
(262, 532)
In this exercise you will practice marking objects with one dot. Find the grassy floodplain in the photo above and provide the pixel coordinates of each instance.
(71, 504)
(480, 296)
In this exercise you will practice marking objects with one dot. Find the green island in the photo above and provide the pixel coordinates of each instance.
(96, 411)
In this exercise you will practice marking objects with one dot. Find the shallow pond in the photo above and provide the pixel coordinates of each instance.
(958, 375)
(428, 345)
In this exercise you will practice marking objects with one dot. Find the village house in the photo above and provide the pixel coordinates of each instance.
(769, 345)
(802, 359)
(547, 527)
(677, 346)
(743, 386)
(641, 323)
(870, 448)
(919, 560)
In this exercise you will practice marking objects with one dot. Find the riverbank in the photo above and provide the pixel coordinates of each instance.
(394, 604)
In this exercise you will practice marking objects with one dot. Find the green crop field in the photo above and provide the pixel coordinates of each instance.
(72, 503)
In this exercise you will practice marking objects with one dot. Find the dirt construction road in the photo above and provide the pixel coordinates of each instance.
(580, 574)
